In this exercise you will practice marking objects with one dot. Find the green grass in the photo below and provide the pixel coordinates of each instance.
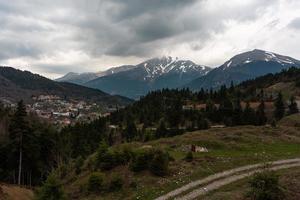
(242, 146)
(289, 180)
(228, 148)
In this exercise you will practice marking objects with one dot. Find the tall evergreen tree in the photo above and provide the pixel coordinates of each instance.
(226, 110)
(293, 107)
(261, 118)
(249, 116)
(18, 130)
(279, 107)
(130, 131)
(161, 130)
(237, 112)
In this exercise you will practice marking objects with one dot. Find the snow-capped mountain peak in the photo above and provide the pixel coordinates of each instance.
(159, 66)
(258, 55)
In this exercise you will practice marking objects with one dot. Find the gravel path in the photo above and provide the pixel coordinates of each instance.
(219, 183)
(215, 177)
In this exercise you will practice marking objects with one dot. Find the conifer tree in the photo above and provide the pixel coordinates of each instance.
(260, 114)
(51, 190)
(237, 112)
(130, 131)
(293, 107)
(161, 130)
(279, 107)
(249, 116)
(18, 130)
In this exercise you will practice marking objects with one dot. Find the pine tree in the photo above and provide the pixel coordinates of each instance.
(231, 89)
(260, 114)
(249, 116)
(51, 190)
(293, 107)
(130, 131)
(211, 110)
(226, 110)
(237, 112)
(279, 107)
(161, 130)
(18, 130)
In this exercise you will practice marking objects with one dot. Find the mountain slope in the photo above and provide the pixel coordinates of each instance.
(16, 84)
(152, 74)
(82, 78)
(77, 78)
(242, 67)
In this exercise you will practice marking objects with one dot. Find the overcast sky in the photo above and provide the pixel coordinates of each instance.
(53, 37)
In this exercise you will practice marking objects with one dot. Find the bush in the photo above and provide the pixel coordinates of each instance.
(95, 182)
(133, 185)
(298, 83)
(159, 165)
(274, 123)
(189, 157)
(122, 156)
(51, 190)
(265, 186)
(78, 164)
(116, 183)
(62, 170)
(107, 161)
(140, 160)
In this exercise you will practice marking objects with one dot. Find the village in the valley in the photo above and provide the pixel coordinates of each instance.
(63, 112)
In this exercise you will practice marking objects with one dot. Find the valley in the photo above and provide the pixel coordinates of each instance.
(134, 81)
(149, 100)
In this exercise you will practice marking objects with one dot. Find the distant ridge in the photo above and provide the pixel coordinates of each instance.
(242, 67)
(153, 74)
(16, 85)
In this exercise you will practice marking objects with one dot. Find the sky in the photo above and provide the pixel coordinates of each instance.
(53, 37)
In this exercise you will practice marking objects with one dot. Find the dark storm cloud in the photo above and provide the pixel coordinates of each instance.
(134, 8)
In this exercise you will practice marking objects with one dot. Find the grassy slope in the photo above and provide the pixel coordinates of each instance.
(287, 88)
(228, 148)
(289, 180)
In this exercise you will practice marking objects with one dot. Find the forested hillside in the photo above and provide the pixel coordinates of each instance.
(16, 85)
(47, 152)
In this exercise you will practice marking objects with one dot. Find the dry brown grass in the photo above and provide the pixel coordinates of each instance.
(11, 192)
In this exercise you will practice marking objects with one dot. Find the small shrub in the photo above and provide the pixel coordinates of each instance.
(62, 170)
(159, 165)
(52, 189)
(274, 123)
(116, 183)
(122, 156)
(107, 161)
(133, 185)
(189, 157)
(95, 182)
(78, 164)
(140, 160)
(265, 186)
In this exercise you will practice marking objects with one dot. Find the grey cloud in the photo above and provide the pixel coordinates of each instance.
(123, 28)
(134, 8)
(295, 23)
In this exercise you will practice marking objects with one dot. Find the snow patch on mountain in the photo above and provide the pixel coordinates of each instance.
(159, 66)
(257, 55)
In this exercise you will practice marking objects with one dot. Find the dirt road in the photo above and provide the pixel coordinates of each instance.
(216, 181)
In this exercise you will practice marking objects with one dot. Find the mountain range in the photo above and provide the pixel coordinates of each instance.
(166, 72)
(153, 74)
(242, 67)
(16, 85)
